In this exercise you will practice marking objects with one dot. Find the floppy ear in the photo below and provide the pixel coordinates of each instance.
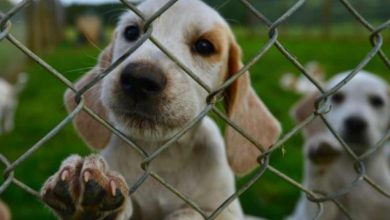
(246, 109)
(303, 109)
(92, 132)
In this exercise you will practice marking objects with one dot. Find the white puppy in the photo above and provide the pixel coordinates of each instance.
(360, 113)
(150, 98)
(9, 101)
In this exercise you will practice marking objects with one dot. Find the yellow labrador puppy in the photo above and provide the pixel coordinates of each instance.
(360, 114)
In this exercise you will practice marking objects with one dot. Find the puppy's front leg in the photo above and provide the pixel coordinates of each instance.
(191, 214)
(9, 115)
(87, 189)
(184, 214)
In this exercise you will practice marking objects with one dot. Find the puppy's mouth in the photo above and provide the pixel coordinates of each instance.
(356, 139)
(146, 116)
(137, 117)
(359, 143)
(323, 154)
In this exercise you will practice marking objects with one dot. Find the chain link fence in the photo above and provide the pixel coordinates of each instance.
(214, 97)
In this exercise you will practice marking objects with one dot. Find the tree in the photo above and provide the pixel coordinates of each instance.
(327, 17)
(45, 25)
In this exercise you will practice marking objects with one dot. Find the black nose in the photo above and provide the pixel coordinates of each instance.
(142, 80)
(355, 124)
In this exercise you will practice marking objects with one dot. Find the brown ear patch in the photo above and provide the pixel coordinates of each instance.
(303, 109)
(247, 110)
(216, 36)
(93, 133)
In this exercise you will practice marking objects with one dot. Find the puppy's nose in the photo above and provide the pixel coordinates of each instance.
(355, 124)
(142, 80)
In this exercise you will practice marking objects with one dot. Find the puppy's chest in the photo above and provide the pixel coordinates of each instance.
(152, 200)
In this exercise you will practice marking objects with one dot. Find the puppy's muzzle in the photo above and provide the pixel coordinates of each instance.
(142, 81)
(355, 130)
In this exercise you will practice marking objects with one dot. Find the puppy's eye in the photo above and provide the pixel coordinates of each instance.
(338, 98)
(203, 47)
(376, 101)
(132, 33)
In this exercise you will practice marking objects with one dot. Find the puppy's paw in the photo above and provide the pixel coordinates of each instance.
(85, 189)
(323, 153)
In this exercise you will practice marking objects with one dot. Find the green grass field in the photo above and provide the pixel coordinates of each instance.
(41, 109)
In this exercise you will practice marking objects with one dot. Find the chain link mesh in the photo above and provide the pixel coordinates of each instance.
(214, 95)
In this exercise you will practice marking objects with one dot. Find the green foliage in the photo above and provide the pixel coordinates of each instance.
(41, 108)
(5, 5)
(108, 12)
(312, 12)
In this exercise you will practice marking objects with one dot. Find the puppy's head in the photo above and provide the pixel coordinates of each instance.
(359, 113)
(150, 97)
(360, 110)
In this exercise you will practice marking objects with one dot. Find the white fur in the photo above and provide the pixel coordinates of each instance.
(199, 155)
(195, 157)
(186, 97)
(8, 102)
(301, 84)
(196, 165)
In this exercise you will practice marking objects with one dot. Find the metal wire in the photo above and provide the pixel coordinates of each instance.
(214, 96)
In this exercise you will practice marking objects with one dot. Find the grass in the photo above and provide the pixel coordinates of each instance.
(41, 109)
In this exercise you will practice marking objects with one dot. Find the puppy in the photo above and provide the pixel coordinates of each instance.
(301, 84)
(360, 114)
(149, 99)
(9, 101)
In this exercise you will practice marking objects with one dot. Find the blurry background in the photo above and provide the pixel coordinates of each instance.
(70, 34)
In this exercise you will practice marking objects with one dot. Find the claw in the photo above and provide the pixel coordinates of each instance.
(87, 176)
(65, 175)
(113, 187)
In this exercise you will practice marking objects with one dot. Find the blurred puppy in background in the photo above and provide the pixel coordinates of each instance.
(300, 84)
(360, 113)
(9, 101)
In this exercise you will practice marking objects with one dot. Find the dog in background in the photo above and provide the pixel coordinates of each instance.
(300, 84)
(149, 98)
(9, 101)
(360, 113)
